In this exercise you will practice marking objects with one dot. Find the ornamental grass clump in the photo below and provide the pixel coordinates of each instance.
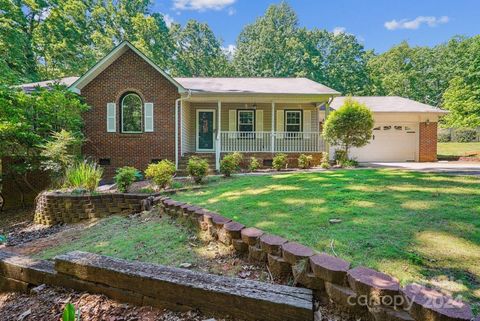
(83, 175)
(161, 173)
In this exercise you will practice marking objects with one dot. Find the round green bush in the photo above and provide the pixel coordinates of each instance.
(197, 168)
(124, 178)
(305, 161)
(280, 161)
(230, 163)
(161, 173)
(254, 164)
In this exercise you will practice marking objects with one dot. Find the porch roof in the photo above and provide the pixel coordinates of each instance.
(268, 86)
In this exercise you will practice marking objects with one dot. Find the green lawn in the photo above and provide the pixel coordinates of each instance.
(416, 226)
(458, 149)
(146, 238)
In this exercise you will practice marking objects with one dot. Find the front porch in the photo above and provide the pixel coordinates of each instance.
(250, 127)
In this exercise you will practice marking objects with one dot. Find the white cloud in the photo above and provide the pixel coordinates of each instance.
(201, 5)
(231, 11)
(416, 23)
(229, 50)
(168, 20)
(339, 30)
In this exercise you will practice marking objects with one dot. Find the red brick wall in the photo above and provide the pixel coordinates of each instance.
(428, 142)
(130, 73)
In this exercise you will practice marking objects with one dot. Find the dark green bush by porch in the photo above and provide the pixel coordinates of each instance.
(230, 163)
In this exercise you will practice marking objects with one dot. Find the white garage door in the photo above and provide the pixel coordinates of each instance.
(391, 142)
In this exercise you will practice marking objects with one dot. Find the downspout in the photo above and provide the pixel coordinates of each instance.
(177, 108)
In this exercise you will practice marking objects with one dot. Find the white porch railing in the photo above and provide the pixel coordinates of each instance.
(286, 142)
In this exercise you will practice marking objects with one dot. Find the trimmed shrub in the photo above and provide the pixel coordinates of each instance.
(197, 168)
(161, 173)
(464, 135)
(305, 161)
(280, 161)
(230, 163)
(124, 178)
(254, 164)
(85, 175)
(444, 136)
(340, 157)
(325, 163)
(350, 163)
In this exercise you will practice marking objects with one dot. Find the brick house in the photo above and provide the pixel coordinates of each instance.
(140, 114)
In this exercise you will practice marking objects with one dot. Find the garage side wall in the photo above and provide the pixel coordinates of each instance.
(428, 142)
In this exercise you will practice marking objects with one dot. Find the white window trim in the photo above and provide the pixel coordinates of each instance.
(121, 109)
(252, 111)
(299, 124)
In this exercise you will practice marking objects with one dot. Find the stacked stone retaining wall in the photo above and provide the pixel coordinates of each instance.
(363, 292)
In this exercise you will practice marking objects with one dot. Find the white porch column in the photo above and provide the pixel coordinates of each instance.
(218, 145)
(273, 129)
(326, 145)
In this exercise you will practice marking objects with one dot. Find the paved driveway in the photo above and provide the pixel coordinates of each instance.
(450, 167)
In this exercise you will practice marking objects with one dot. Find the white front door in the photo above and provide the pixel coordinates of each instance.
(391, 142)
(205, 130)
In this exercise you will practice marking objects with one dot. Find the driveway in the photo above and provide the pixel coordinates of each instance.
(449, 167)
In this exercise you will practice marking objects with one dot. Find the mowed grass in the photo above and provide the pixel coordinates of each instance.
(421, 227)
(452, 149)
(147, 238)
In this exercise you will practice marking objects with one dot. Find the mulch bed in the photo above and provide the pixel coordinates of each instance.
(47, 303)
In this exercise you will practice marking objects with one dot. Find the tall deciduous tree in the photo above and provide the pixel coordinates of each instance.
(198, 52)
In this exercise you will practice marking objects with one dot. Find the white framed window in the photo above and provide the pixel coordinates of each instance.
(132, 106)
(293, 121)
(246, 120)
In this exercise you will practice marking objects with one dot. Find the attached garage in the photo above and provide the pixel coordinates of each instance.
(404, 131)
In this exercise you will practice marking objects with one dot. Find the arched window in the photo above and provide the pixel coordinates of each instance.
(131, 113)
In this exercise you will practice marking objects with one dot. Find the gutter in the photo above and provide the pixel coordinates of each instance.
(177, 107)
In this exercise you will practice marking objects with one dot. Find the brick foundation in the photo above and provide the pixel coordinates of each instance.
(428, 142)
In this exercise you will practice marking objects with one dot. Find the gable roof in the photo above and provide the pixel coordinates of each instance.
(389, 104)
(109, 59)
(30, 87)
(298, 86)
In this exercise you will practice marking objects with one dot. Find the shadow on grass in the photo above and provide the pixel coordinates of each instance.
(383, 212)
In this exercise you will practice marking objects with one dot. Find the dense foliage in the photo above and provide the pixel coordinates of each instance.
(197, 168)
(305, 161)
(230, 163)
(124, 177)
(280, 161)
(161, 173)
(349, 126)
(42, 39)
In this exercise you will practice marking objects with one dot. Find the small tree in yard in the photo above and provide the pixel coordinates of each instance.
(349, 126)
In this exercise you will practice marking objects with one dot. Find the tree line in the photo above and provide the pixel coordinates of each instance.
(45, 39)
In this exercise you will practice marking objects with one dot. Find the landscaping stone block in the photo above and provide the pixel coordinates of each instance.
(7, 284)
(293, 252)
(251, 235)
(380, 288)
(256, 255)
(230, 231)
(431, 305)
(272, 244)
(330, 268)
(345, 298)
(279, 267)
(384, 313)
(240, 246)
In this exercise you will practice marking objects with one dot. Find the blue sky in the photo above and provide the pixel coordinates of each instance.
(379, 24)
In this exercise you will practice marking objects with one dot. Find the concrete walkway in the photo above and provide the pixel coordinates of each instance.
(448, 167)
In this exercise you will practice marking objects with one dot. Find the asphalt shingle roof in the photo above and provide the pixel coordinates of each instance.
(389, 104)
